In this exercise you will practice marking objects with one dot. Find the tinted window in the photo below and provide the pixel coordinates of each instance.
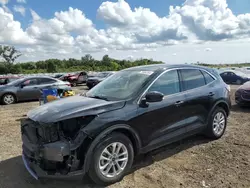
(208, 77)
(167, 84)
(30, 82)
(46, 81)
(192, 78)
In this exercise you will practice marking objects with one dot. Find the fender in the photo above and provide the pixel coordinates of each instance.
(89, 153)
(214, 106)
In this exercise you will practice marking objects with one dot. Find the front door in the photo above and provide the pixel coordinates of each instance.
(162, 120)
(29, 90)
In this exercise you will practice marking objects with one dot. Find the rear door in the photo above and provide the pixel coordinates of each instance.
(199, 94)
(45, 83)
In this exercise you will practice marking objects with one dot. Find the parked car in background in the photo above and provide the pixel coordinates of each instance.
(58, 76)
(7, 79)
(132, 112)
(76, 78)
(234, 77)
(29, 88)
(242, 95)
(96, 79)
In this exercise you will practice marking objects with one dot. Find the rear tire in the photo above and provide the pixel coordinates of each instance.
(217, 124)
(238, 82)
(110, 164)
(8, 99)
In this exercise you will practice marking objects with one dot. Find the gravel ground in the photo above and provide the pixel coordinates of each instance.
(193, 162)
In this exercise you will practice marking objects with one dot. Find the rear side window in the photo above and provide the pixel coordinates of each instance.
(167, 84)
(46, 81)
(192, 78)
(208, 77)
(2, 80)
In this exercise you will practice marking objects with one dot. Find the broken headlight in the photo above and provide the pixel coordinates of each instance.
(71, 127)
(48, 134)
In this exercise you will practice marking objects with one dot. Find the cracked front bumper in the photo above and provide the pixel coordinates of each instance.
(28, 167)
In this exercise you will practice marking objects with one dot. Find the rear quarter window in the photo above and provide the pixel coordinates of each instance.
(208, 77)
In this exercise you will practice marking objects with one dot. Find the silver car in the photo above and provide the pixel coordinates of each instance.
(29, 88)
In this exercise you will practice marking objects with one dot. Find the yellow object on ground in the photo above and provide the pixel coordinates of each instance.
(68, 93)
(51, 98)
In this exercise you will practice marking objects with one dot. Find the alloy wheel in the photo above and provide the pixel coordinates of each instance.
(113, 160)
(9, 99)
(219, 123)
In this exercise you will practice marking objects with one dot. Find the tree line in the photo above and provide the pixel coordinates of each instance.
(86, 63)
(9, 55)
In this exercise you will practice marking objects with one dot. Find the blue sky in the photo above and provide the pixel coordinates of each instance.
(47, 8)
(211, 31)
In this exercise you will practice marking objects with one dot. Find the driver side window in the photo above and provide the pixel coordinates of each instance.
(168, 83)
(30, 82)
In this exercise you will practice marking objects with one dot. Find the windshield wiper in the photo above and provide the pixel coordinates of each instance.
(99, 97)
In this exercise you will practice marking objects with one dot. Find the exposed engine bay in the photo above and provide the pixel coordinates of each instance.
(54, 148)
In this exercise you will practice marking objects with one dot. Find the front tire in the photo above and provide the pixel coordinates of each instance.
(8, 99)
(112, 158)
(217, 124)
(74, 84)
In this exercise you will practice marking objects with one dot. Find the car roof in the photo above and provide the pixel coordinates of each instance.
(158, 67)
(29, 77)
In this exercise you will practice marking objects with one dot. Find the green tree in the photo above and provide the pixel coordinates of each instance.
(51, 67)
(9, 53)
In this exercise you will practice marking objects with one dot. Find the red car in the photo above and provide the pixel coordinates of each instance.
(7, 79)
(75, 79)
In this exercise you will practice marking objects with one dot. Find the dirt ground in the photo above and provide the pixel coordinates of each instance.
(193, 162)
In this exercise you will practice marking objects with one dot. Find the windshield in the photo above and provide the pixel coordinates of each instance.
(120, 86)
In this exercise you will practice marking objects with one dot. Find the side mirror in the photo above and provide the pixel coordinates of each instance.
(22, 85)
(154, 96)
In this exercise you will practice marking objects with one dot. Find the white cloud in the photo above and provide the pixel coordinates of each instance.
(21, 1)
(34, 15)
(70, 32)
(4, 2)
(208, 49)
(11, 31)
(19, 9)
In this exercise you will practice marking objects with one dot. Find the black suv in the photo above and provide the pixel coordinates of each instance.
(131, 112)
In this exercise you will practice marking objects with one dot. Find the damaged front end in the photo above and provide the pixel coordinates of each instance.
(54, 149)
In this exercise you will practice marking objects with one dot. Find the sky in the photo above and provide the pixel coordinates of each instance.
(172, 31)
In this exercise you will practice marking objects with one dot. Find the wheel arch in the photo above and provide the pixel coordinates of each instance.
(9, 92)
(121, 128)
(222, 104)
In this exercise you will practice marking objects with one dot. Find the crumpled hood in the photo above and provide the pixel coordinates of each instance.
(72, 107)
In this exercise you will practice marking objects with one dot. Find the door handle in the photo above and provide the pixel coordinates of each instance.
(211, 94)
(178, 103)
